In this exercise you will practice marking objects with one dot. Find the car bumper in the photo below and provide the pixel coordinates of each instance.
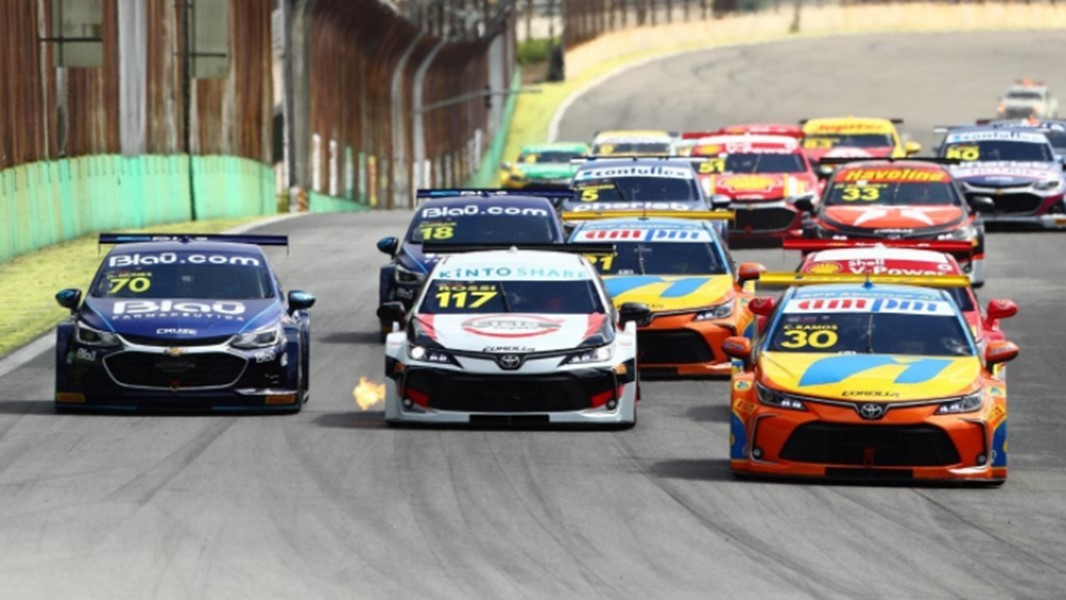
(833, 443)
(678, 346)
(593, 396)
(776, 220)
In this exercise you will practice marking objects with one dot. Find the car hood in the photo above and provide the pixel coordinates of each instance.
(1005, 174)
(759, 186)
(894, 217)
(547, 170)
(180, 318)
(670, 293)
(509, 332)
(818, 154)
(879, 377)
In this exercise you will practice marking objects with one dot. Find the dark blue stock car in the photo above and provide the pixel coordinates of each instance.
(184, 323)
(462, 217)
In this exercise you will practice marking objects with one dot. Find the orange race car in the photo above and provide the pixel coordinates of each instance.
(900, 200)
(681, 270)
(863, 379)
(902, 258)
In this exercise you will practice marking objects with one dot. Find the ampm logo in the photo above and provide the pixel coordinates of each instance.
(676, 234)
(834, 369)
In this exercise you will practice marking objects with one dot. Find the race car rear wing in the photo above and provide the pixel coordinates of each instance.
(893, 120)
(185, 238)
(702, 215)
(842, 160)
(596, 249)
(948, 247)
(554, 195)
(784, 280)
(594, 157)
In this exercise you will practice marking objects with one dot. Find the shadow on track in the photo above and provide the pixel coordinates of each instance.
(364, 338)
(703, 469)
(714, 413)
(371, 419)
(25, 407)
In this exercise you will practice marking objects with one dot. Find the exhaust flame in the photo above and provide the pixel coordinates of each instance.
(368, 394)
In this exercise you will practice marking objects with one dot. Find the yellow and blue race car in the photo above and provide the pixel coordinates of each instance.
(681, 270)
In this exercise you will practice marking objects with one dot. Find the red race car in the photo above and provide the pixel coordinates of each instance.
(910, 200)
(762, 176)
(828, 257)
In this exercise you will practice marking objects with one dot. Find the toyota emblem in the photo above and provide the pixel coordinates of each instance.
(871, 411)
(509, 361)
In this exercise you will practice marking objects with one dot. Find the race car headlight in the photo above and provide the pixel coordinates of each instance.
(771, 397)
(591, 355)
(962, 233)
(262, 338)
(965, 404)
(720, 311)
(88, 336)
(1047, 186)
(407, 276)
(432, 355)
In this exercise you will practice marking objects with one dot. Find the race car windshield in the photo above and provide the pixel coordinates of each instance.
(871, 333)
(1057, 139)
(611, 148)
(636, 189)
(185, 280)
(764, 163)
(548, 157)
(995, 150)
(538, 297)
(661, 258)
(472, 225)
(861, 194)
(1024, 95)
(854, 140)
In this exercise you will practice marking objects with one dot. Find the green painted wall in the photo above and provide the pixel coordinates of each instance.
(45, 203)
(318, 203)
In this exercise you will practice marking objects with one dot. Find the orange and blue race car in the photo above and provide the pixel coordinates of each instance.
(908, 200)
(860, 377)
(681, 270)
(635, 142)
(829, 257)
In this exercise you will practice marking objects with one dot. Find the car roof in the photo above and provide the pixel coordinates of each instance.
(512, 263)
(531, 201)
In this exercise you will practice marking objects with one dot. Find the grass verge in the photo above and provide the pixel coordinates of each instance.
(29, 282)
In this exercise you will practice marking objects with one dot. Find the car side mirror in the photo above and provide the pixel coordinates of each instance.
(392, 312)
(69, 298)
(388, 245)
(720, 201)
(300, 301)
(636, 312)
(1000, 309)
(738, 347)
(804, 204)
(982, 203)
(749, 271)
(762, 306)
(1000, 352)
(911, 148)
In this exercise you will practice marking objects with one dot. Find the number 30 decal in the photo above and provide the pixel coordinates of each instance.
(801, 338)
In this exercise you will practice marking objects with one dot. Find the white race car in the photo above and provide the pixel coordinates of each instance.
(513, 337)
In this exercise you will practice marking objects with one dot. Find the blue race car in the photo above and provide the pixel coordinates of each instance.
(463, 217)
(184, 322)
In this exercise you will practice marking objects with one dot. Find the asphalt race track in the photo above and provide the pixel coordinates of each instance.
(331, 504)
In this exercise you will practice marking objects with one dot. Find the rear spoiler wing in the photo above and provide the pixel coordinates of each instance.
(702, 215)
(139, 238)
(784, 280)
(948, 247)
(893, 120)
(554, 195)
(596, 249)
(594, 157)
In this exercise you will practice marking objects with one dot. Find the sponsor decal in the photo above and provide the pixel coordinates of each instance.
(512, 349)
(869, 394)
(85, 355)
(138, 259)
(511, 325)
(150, 309)
(174, 331)
(894, 175)
(635, 171)
(671, 234)
(845, 128)
(608, 206)
(747, 183)
(742, 385)
(437, 212)
(995, 134)
(265, 356)
(513, 273)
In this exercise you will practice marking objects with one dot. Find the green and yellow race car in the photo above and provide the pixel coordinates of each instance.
(542, 166)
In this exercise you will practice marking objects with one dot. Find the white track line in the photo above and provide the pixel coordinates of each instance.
(21, 357)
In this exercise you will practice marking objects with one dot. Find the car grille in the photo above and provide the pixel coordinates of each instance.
(871, 445)
(1016, 203)
(762, 219)
(207, 370)
(144, 340)
(672, 347)
(503, 394)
